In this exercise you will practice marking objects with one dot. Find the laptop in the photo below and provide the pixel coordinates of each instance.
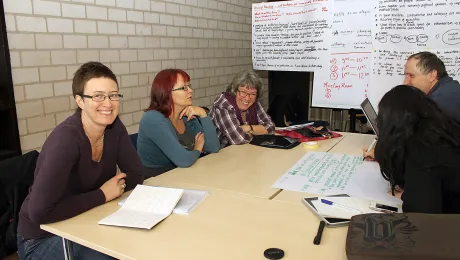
(370, 114)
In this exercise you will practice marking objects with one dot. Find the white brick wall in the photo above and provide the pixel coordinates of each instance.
(50, 39)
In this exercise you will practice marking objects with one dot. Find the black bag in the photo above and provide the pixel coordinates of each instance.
(403, 236)
(314, 132)
(275, 141)
(16, 176)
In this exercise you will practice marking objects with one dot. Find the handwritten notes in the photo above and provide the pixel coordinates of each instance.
(291, 36)
(345, 81)
(331, 173)
(407, 27)
(417, 24)
(388, 68)
(320, 173)
(368, 183)
(351, 26)
(451, 59)
(356, 48)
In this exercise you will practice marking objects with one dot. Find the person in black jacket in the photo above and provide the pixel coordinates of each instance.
(418, 149)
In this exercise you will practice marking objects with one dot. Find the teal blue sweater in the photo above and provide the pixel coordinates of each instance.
(158, 144)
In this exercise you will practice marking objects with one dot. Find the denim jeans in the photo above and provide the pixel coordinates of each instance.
(51, 248)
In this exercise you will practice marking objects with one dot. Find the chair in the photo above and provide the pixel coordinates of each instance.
(287, 109)
(16, 176)
(133, 138)
(360, 119)
(332, 119)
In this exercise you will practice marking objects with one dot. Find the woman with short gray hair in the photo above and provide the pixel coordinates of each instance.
(237, 113)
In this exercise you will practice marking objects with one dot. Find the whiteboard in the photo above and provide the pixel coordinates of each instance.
(292, 35)
(345, 82)
(364, 51)
(401, 29)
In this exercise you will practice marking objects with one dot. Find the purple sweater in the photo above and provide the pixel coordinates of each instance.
(67, 180)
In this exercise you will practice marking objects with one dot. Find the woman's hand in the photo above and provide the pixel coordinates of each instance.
(114, 187)
(368, 155)
(199, 142)
(192, 111)
(398, 193)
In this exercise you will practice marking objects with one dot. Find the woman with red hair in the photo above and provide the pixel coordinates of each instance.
(172, 132)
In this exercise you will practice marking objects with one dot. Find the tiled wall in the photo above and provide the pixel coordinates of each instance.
(49, 40)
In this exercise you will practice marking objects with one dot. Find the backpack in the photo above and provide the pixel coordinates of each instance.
(16, 176)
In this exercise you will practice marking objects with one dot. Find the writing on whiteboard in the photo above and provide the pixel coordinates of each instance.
(347, 75)
(348, 32)
(401, 29)
(347, 69)
(291, 36)
(277, 5)
(391, 62)
(421, 23)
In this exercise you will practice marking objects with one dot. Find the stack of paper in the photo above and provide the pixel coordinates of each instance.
(145, 207)
(187, 203)
(332, 211)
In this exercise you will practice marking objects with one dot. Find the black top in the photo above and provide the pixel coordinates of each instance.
(67, 181)
(431, 178)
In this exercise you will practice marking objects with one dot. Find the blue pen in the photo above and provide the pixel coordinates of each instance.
(328, 202)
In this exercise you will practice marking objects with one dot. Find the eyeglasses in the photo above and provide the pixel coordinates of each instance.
(245, 94)
(184, 87)
(102, 97)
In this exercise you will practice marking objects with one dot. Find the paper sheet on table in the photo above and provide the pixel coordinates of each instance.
(187, 203)
(337, 212)
(368, 183)
(330, 173)
(145, 207)
(320, 173)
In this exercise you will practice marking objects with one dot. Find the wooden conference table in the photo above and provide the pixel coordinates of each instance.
(236, 220)
(245, 169)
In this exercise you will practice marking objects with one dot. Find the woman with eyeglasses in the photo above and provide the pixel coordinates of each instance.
(172, 132)
(237, 112)
(77, 166)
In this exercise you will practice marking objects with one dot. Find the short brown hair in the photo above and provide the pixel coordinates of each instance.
(88, 71)
(427, 62)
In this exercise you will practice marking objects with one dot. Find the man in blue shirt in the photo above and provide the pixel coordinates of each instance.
(425, 71)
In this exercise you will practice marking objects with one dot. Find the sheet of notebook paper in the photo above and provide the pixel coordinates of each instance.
(330, 173)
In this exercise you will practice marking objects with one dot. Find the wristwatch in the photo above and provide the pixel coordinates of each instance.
(251, 132)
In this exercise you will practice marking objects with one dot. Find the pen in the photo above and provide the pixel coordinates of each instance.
(370, 147)
(328, 202)
(317, 239)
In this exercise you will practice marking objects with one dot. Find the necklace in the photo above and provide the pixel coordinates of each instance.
(91, 141)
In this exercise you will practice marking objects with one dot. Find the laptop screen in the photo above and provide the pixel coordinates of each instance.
(370, 114)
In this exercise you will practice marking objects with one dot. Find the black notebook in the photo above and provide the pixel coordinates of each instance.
(275, 141)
